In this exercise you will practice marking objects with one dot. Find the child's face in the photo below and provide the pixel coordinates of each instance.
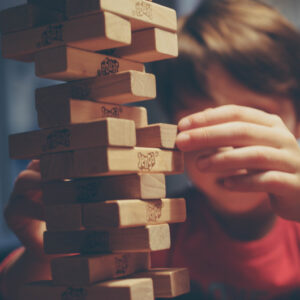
(225, 90)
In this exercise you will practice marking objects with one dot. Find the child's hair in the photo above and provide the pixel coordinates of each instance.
(256, 45)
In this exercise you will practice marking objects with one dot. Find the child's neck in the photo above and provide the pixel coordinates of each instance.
(246, 227)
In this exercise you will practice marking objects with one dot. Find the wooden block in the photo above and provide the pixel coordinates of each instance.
(65, 63)
(133, 213)
(107, 132)
(141, 239)
(65, 217)
(127, 87)
(110, 161)
(150, 45)
(168, 283)
(27, 16)
(142, 14)
(59, 5)
(136, 186)
(64, 112)
(157, 136)
(85, 270)
(93, 33)
(125, 289)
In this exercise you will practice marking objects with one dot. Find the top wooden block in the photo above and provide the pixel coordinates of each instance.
(142, 14)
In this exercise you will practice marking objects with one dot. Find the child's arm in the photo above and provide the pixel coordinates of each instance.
(261, 143)
(24, 215)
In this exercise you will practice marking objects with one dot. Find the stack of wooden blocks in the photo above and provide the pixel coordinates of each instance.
(103, 167)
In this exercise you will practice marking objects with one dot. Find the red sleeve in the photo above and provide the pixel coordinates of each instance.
(3, 266)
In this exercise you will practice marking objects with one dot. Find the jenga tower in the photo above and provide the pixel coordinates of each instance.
(103, 167)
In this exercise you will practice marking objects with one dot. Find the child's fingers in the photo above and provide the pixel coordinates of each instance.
(23, 206)
(34, 165)
(251, 158)
(234, 134)
(273, 182)
(229, 113)
(26, 181)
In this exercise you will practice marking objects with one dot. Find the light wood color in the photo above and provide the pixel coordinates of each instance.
(135, 186)
(27, 16)
(141, 239)
(121, 88)
(110, 161)
(107, 132)
(133, 213)
(157, 136)
(63, 217)
(58, 5)
(150, 45)
(168, 283)
(85, 270)
(63, 112)
(114, 214)
(65, 63)
(125, 289)
(142, 14)
(94, 33)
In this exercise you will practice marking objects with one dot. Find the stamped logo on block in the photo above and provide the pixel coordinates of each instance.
(108, 66)
(96, 241)
(114, 112)
(154, 210)
(121, 264)
(74, 294)
(57, 138)
(146, 162)
(142, 8)
(87, 192)
(53, 33)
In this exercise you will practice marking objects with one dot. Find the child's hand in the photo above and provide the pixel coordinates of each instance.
(24, 212)
(260, 143)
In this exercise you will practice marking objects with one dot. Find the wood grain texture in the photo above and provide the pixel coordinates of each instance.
(133, 213)
(27, 16)
(107, 132)
(168, 283)
(142, 14)
(88, 269)
(110, 161)
(141, 239)
(125, 289)
(67, 64)
(135, 186)
(126, 87)
(95, 32)
(157, 136)
(63, 112)
(150, 45)
(59, 5)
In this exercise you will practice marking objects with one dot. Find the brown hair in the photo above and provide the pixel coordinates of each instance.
(252, 41)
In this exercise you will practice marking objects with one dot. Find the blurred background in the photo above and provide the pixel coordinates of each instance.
(17, 112)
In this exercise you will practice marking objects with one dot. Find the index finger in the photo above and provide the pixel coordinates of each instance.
(229, 113)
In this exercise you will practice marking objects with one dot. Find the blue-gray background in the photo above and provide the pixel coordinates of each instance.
(17, 113)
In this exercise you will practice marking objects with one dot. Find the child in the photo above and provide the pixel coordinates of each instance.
(234, 91)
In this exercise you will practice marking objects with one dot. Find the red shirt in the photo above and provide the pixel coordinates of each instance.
(222, 268)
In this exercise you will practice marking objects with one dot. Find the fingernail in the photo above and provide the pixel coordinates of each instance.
(183, 137)
(184, 124)
(203, 164)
